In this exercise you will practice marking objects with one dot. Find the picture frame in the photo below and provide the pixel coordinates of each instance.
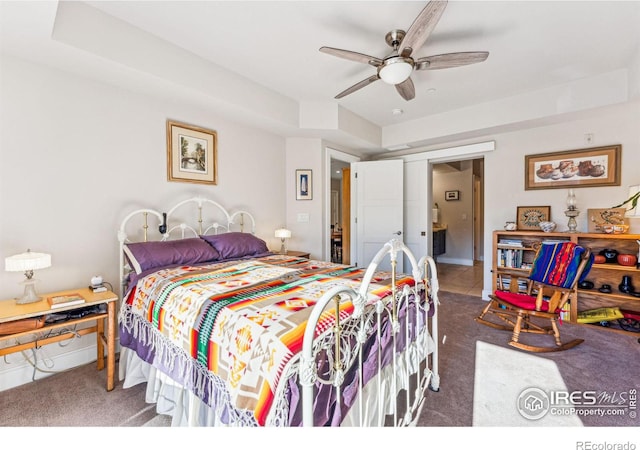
(192, 153)
(529, 217)
(589, 167)
(451, 195)
(304, 184)
(606, 220)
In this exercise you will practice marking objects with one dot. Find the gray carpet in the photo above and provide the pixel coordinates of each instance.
(606, 361)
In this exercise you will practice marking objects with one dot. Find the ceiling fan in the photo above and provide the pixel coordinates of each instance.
(396, 68)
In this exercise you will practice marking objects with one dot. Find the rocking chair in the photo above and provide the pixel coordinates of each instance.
(557, 268)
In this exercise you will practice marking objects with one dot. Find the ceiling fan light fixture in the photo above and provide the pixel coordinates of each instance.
(395, 70)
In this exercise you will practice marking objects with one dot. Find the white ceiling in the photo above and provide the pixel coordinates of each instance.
(533, 45)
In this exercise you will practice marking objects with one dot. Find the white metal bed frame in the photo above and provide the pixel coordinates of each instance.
(416, 364)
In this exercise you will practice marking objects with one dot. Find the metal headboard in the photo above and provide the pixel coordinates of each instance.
(178, 222)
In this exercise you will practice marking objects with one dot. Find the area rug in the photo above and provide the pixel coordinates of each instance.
(511, 388)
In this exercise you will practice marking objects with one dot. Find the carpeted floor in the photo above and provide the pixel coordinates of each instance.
(606, 361)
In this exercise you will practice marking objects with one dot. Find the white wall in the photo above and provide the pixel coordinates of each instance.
(77, 155)
(306, 153)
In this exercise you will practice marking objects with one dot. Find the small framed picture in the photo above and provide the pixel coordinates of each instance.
(451, 195)
(191, 154)
(529, 217)
(304, 184)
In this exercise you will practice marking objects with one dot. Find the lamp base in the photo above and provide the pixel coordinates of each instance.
(29, 295)
(283, 247)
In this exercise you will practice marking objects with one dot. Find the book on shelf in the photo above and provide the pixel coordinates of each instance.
(61, 301)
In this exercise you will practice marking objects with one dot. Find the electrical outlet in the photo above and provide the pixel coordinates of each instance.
(588, 138)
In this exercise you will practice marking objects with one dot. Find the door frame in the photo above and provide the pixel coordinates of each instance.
(330, 154)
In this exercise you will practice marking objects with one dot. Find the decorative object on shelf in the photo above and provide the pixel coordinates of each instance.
(547, 227)
(283, 234)
(627, 259)
(586, 284)
(638, 257)
(606, 220)
(605, 289)
(626, 286)
(304, 184)
(572, 211)
(510, 226)
(529, 217)
(28, 262)
(451, 195)
(610, 254)
(191, 154)
(599, 259)
(597, 166)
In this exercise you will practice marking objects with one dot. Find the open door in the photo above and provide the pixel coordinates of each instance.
(377, 189)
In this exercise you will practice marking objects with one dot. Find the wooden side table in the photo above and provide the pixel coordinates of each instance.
(298, 254)
(10, 311)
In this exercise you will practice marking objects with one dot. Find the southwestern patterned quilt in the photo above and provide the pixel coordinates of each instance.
(238, 323)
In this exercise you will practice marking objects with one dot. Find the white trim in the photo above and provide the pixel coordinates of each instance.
(22, 372)
(469, 151)
(458, 261)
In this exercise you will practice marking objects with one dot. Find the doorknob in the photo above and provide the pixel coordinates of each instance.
(398, 233)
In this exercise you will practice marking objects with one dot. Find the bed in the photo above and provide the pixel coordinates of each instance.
(225, 332)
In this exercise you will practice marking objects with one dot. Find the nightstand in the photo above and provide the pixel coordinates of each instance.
(298, 254)
(54, 332)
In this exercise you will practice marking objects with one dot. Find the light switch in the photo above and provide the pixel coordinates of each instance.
(303, 217)
(464, 216)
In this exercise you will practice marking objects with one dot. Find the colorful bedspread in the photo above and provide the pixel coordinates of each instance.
(242, 321)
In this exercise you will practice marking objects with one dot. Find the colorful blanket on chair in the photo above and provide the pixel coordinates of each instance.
(241, 321)
(557, 264)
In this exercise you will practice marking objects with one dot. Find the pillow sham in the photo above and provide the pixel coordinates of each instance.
(150, 255)
(236, 244)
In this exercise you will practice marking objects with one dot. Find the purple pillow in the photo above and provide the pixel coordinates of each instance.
(236, 244)
(150, 255)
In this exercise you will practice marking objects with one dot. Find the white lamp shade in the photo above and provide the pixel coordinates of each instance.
(27, 261)
(395, 71)
(283, 233)
(635, 212)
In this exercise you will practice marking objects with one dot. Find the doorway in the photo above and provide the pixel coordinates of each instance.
(458, 192)
(338, 208)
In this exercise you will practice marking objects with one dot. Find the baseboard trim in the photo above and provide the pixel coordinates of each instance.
(23, 372)
(459, 261)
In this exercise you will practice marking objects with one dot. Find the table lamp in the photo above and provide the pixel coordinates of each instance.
(27, 263)
(283, 234)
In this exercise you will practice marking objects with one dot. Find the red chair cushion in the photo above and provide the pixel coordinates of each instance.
(523, 301)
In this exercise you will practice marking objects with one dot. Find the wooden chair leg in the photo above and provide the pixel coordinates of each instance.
(516, 329)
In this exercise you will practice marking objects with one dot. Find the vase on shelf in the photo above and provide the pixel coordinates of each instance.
(625, 286)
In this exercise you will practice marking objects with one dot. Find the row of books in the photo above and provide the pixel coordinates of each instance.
(511, 258)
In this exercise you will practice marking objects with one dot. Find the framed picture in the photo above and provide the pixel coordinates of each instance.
(304, 184)
(529, 217)
(597, 166)
(605, 220)
(451, 195)
(191, 154)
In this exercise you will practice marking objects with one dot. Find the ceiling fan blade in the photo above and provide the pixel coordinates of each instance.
(358, 85)
(447, 60)
(352, 56)
(421, 27)
(406, 89)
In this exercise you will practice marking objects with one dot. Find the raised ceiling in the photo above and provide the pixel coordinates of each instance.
(222, 52)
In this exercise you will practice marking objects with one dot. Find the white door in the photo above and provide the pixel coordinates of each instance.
(377, 209)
